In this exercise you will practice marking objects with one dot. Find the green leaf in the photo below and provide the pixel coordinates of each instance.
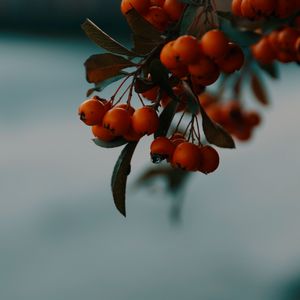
(141, 27)
(103, 40)
(188, 17)
(166, 118)
(271, 70)
(100, 67)
(243, 38)
(100, 86)
(119, 177)
(259, 90)
(214, 133)
(112, 144)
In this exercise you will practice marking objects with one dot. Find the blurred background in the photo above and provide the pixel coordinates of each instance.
(237, 234)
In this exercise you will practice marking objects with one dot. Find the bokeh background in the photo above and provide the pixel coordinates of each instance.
(61, 238)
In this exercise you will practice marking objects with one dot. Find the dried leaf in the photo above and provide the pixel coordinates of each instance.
(214, 133)
(119, 177)
(259, 89)
(103, 40)
(103, 66)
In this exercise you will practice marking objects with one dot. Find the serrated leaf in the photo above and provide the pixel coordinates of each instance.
(214, 133)
(271, 70)
(112, 144)
(188, 17)
(243, 38)
(259, 89)
(100, 86)
(103, 40)
(141, 27)
(166, 118)
(100, 67)
(119, 177)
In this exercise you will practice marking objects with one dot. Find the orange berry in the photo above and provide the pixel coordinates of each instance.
(161, 148)
(286, 56)
(127, 107)
(187, 156)
(157, 3)
(207, 80)
(174, 8)
(236, 7)
(102, 133)
(233, 60)
(131, 135)
(206, 99)
(263, 7)
(187, 48)
(169, 57)
(287, 38)
(117, 120)
(263, 52)
(140, 5)
(285, 8)
(151, 94)
(145, 120)
(157, 17)
(247, 9)
(180, 72)
(273, 40)
(244, 134)
(203, 67)
(210, 160)
(215, 44)
(215, 112)
(252, 118)
(91, 111)
(297, 46)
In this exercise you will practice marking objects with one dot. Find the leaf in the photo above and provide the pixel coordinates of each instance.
(141, 27)
(119, 177)
(259, 89)
(214, 133)
(243, 38)
(166, 118)
(100, 86)
(188, 17)
(142, 85)
(143, 45)
(226, 15)
(100, 67)
(112, 144)
(103, 40)
(271, 70)
(192, 100)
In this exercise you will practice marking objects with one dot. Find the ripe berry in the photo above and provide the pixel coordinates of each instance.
(287, 38)
(187, 48)
(151, 94)
(157, 3)
(263, 52)
(131, 135)
(215, 44)
(145, 120)
(140, 5)
(161, 148)
(127, 107)
(102, 133)
(252, 118)
(174, 8)
(117, 120)
(91, 111)
(210, 160)
(247, 10)
(187, 156)
(263, 7)
(157, 17)
(203, 67)
(236, 7)
(233, 60)
(168, 56)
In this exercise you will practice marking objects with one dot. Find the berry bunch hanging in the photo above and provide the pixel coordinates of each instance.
(179, 49)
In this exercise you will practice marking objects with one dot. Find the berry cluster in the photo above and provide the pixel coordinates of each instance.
(257, 9)
(282, 45)
(203, 60)
(122, 120)
(160, 13)
(185, 155)
(231, 115)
